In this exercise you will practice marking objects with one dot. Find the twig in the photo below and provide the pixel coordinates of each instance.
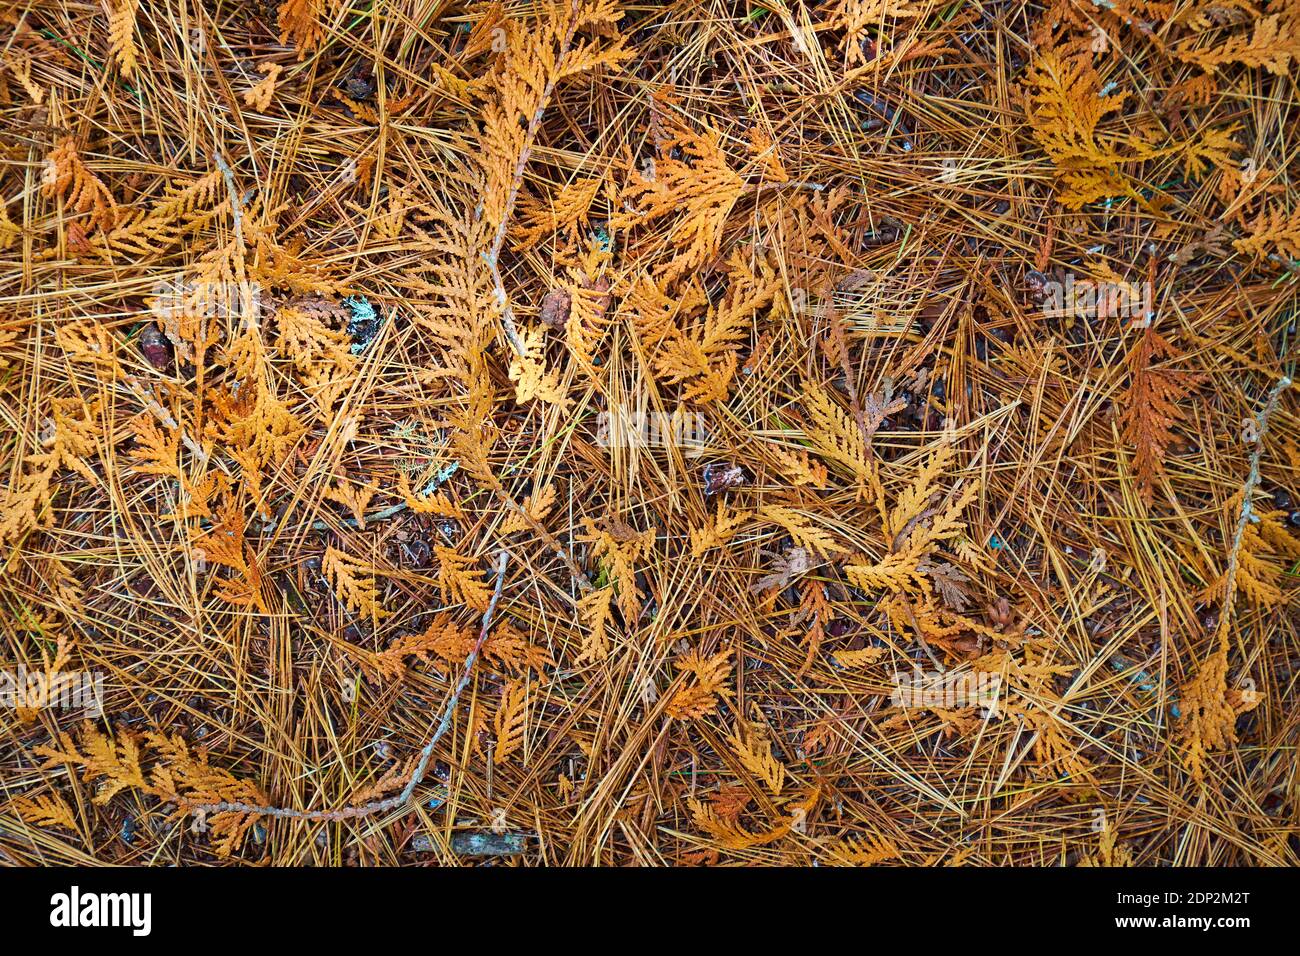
(236, 208)
(1243, 518)
(492, 256)
(389, 803)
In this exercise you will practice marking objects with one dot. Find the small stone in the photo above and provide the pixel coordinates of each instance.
(721, 477)
(155, 348)
(488, 844)
(360, 83)
(555, 308)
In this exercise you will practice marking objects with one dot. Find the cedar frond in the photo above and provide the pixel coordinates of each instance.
(697, 192)
(301, 24)
(121, 34)
(69, 442)
(565, 212)
(594, 610)
(1065, 108)
(65, 177)
(435, 503)
(47, 810)
(459, 580)
(753, 748)
(259, 97)
(535, 506)
(175, 776)
(353, 583)
(619, 547)
(510, 721)
(718, 529)
(862, 851)
(700, 697)
(1272, 229)
(356, 498)
(1273, 44)
(1150, 410)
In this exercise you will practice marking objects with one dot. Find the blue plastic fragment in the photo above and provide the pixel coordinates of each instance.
(445, 472)
(364, 324)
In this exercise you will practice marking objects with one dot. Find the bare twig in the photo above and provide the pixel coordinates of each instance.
(389, 803)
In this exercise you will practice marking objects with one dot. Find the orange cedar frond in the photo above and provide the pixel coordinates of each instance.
(510, 721)
(48, 810)
(594, 610)
(117, 761)
(442, 638)
(66, 177)
(156, 452)
(259, 97)
(1272, 229)
(753, 747)
(700, 697)
(859, 658)
(894, 572)
(394, 778)
(224, 545)
(197, 500)
(532, 379)
(697, 192)
(536, 506)
(89, 342)
(437, 503)
(619, 547)
(566, 212)
(799, 468)
(1065, 108)
(187, 778)
(353, 582)
(356, 498)
(1263, 543)
(506, 649)
(800, 528)
(300, 23)
(587, 291)
(858, 17)
(459, 580)
(729, 834)
(862, 851)
(718, 529)
(536, 58)
(838, 440)
(121, 34)
(67, 443)
(1150, 409)
(1273, 44)
(814, 613)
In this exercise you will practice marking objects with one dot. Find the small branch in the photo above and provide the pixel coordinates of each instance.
(493, 255)
(1243, 518)
(165, 417)
(390, 803)
(236, 208)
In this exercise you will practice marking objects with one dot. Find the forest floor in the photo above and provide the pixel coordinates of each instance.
(712, 432)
